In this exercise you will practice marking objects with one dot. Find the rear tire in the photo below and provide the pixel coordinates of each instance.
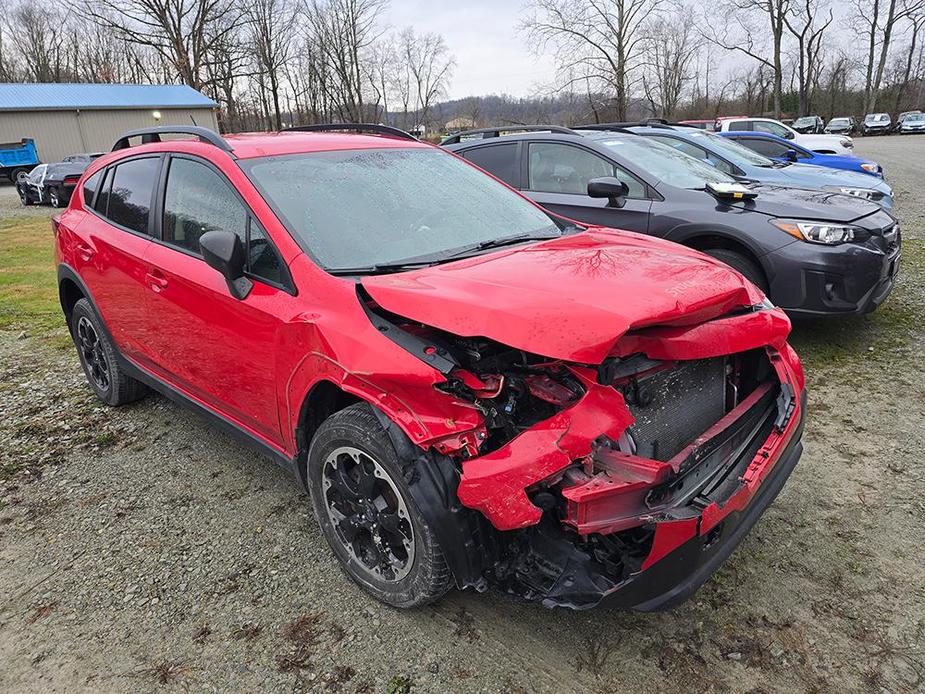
(99, 359)
(742, 264)
(371, 522)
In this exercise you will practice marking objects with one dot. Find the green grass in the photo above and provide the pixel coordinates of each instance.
(28, 286)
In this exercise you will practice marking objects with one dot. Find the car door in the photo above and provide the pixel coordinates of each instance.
(220, 350)
(34, 181)
(557, 176)
(109, 244)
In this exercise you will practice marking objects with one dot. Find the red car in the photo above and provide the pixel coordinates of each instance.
(475, 392)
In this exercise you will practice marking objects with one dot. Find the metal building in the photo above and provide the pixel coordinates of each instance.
(68, 119)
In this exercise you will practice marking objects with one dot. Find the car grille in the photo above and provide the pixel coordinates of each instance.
(674, 406)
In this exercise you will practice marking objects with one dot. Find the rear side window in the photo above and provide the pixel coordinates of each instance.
(130, 193)
(198, 200)
(740, 125)
(499, 160)
(91, 185)
(766, 147)
(102, 199)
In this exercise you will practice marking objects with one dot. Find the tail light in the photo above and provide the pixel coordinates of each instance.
(71, 180)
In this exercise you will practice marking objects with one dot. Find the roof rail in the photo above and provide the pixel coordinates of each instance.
(496, 132)
(359, 127)
(649, 122)
(149, 135)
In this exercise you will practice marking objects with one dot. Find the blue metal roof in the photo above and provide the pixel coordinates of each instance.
(42, 97)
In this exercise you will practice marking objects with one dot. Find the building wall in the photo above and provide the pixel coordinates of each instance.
(59, 133)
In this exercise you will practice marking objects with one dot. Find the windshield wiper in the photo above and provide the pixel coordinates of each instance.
(500, 243)
(380, 268)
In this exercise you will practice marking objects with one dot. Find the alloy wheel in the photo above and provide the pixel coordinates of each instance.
(368, 513)
(91, 351)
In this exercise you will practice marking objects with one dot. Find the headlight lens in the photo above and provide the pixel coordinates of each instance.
(866, 193)
(818, 232)
(872, 168)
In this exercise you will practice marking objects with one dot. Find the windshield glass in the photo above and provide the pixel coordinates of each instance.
(666, 163)
(838, 121)
(361, 208)
(740, 155)
(915, 118)
(805, 120)
(875, 117)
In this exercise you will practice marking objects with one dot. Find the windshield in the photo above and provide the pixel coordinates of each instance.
(805, 120)
(362, 208)
(737, 154)
(838, 121)
(875, 117)
(666, 163)
(915, 118)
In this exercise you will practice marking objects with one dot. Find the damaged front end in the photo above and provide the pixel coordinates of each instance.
(631, 479)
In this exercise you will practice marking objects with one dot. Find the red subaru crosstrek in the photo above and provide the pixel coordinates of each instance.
(475, 392)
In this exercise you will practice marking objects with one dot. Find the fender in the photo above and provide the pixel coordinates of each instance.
(684, 232)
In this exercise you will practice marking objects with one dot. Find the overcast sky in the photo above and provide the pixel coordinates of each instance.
(491, 56)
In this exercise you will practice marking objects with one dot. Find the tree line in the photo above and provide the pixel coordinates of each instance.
(267, 63)
(273, 63)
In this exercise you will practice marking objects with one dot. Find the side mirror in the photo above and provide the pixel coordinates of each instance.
(791, 155)
(609, 187)
(790, 135)
(223, 251)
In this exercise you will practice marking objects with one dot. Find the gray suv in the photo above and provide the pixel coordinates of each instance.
(813, 252)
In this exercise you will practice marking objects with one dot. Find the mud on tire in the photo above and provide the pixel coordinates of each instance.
(367, 514)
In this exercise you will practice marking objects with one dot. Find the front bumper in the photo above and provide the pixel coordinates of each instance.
(678, 575)
(815, 280)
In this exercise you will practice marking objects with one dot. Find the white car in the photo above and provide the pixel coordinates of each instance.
(824, 144)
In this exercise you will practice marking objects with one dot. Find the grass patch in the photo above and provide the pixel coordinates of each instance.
(28, 284)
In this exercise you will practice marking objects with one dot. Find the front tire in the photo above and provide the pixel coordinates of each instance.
(54, 197)
(24, 198)
(742, 264)
(361, 500)
(99, 360)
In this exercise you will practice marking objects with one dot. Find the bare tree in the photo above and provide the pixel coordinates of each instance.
(806, 27)
(916, 19)
(183, 32)
(747, 17)
(430, 67)
(594, 41)
(877, 21)
(672, 47)
(270, 27)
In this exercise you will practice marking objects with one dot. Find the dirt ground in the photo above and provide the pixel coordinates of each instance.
(141, 550)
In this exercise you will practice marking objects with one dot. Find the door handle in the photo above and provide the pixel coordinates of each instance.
(156, 282)
(84, 251)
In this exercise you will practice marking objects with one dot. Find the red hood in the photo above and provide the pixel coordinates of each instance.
(568, 298)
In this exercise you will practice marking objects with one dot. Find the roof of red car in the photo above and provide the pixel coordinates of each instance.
(247, 145)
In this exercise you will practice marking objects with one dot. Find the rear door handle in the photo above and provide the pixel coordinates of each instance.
(156, 282)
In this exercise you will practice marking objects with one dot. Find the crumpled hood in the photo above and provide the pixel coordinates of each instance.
(569, 298)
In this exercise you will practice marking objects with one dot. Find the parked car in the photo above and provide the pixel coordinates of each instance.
(813, 252)
(876, 124)
(782, 150)
(53, 184)
(843, 125)
(913, 123)
(438, 360)
(17, 159)
(897, 126)
(824, 144)
(809, 125)
(746, 165)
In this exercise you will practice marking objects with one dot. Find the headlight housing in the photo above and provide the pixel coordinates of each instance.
(819, 232)
(870, 167)
(865, 193)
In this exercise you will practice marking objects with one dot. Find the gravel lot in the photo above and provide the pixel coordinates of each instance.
(140, 549)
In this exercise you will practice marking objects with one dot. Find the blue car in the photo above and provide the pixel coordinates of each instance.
(779, 149)
(746, 165)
